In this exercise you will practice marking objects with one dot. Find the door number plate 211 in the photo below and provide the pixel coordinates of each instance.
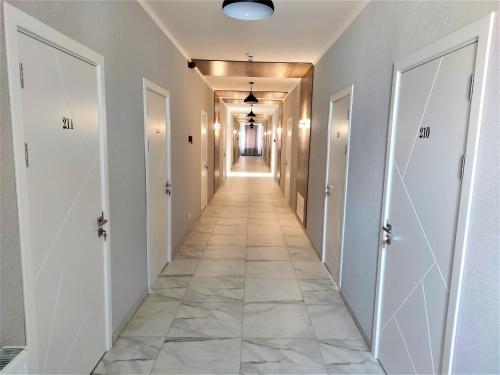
(67, 123)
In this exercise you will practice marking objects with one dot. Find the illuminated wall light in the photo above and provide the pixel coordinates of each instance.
(305, 124)
(216, 126)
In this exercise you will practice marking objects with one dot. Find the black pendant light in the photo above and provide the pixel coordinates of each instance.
(251, 99)
(249, 10)
(251, 121)
(251, 114)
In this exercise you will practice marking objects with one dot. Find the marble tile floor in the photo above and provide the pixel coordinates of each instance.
(251, 164)
(245, 294)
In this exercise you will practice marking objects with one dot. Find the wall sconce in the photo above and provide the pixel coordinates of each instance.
(305, 124)
(235, 132)
(216, 126)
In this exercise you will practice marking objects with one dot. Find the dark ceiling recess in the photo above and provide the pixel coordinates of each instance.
(191, 64)
(222, 68)
(261, 95)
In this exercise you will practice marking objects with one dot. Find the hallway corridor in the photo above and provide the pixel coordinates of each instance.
(245, 294)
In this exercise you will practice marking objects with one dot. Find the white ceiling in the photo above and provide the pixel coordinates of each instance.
(299, 31)
(261, 84)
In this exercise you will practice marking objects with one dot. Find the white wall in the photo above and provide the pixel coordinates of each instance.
(383, 33)
(133, 48)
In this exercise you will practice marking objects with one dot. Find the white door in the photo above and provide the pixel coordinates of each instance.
(156, 131)
(288, 156)
(335, 184)
(204, 159)
(224, 153)
(65, 195)
(424, 191)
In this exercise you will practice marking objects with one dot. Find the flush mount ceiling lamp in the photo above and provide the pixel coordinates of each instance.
(251, 114)
(251, 99)
(249, 10)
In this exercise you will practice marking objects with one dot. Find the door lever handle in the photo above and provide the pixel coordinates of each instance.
(101, 220)
(388, 236)
(327, 189)
(102, 233)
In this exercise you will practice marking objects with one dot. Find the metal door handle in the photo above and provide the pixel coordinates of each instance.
(101, 232)
(388, 234)
(101, 220)
(387, 240)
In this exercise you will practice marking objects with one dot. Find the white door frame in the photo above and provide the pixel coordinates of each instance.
(481, 32)
(288, 150)
(148, 85)
(347, 91)
(16, 20)
(204, 113)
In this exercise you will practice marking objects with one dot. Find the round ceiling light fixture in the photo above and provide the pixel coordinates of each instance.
(249, 10)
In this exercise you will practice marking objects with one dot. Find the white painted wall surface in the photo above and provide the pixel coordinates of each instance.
(133, 47)
(364, 55)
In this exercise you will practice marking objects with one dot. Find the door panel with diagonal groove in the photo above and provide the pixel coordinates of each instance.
(63, 177)
(430, 139)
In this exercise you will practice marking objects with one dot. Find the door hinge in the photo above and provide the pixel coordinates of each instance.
(471, 87)
(21, 75)
(348, 114)
(26, 155)
(462, 167)
(148, 144)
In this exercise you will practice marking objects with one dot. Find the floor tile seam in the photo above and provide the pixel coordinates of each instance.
(169, 328)
(243, 318)
(302, 340)
(279, 338)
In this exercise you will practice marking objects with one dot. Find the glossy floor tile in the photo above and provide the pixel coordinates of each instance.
(246, 293)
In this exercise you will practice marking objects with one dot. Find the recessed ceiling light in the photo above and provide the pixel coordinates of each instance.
(249, 10)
